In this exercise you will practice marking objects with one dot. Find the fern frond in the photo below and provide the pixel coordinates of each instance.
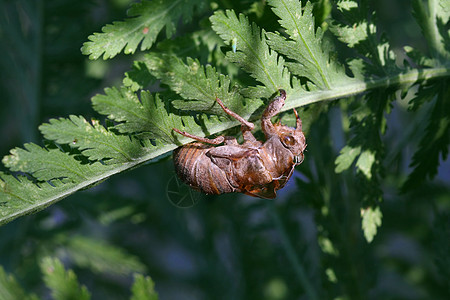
(46, 164)
(198, 84)
(371, 220)
(368, 122)
(144, 122)
(346, 157)
(59, 174)
(10, 288)
(147, 116)
(253, 54)
(20, 196)
(430, 20)
(138, 77)
(146, 20)
(102, 257)
(435, 142)
(143, 288)
(305, 45)
(94, 140)
(367, 119)
(62, 284)
(378, 64)
(204, 45)
(374, 57)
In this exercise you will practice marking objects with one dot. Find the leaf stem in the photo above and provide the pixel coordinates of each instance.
(355, 87)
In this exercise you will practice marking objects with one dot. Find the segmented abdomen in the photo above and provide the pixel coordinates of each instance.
(195, 168)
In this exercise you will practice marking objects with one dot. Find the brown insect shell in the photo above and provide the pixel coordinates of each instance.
(279, 156)
(267, 171)
(252, 168)
(195, 167)
(292, 139)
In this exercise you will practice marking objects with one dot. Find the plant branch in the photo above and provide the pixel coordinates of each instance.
(356, 87)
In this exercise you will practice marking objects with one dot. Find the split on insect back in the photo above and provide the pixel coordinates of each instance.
(254, 168)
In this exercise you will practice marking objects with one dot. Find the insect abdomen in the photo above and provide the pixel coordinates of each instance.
(195, 168)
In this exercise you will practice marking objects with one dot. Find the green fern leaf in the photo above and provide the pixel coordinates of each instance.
(435, 142)
(198, 84)
(368, 121)
(346, 158)
(193, 82)
(60, 174)
(358, 30)
(144, 122)
(430, 20)
(305, 46)
(361, 35)
(371, 220)
(204, 45)
(365, 162)
(62, 284)
(123, 106)
(46, 165)
(102, 257)
(143, 288)
(146, 20)
(10, 288)
(94, 140)
(20, 196)
(253, 54)
(148, 116)
(139, 77)
(64, 174)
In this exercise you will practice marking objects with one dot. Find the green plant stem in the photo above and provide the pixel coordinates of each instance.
(355, 87)
(290, 252)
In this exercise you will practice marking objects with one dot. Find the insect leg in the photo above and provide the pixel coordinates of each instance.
(218, 140)
(299, 121)
(271, 110)
(246, 126)
(244, 122)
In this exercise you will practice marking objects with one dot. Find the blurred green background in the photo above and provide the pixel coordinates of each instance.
(224, 247)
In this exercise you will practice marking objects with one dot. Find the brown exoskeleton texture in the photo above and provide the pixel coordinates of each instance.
(253, 168)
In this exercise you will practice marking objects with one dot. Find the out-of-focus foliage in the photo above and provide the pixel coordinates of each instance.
(63, 284)
(379, 230)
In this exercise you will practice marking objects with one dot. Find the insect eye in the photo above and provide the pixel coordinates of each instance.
(288, 140)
